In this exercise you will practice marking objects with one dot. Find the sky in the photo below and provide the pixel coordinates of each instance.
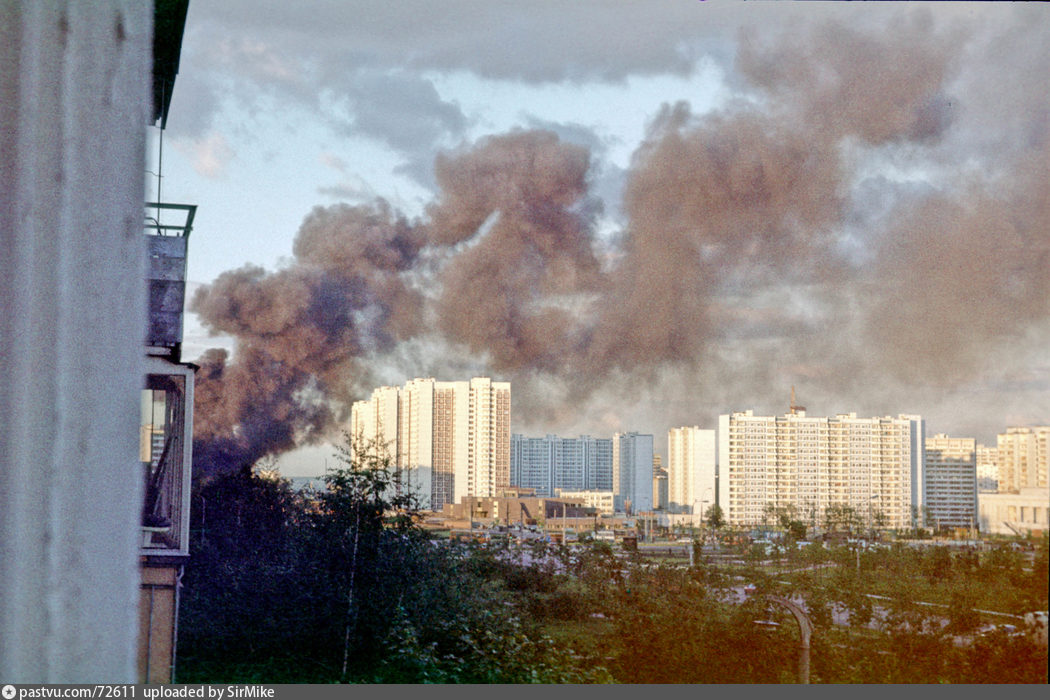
(642, 215)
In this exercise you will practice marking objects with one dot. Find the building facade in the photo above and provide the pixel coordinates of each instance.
(448, 440)
(633, 472)
(950, 481)
(660, 489)
(551, 463)
(603, 502)
(1022, 455)
(691, 457)
(987, 469)
(872, 465)
(1018, 513)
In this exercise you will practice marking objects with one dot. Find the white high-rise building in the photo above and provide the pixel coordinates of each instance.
(1023, 454)
(691, 456)
(872, 465)
(950, 479)
(374, 422)
(633, 472)
(487, 470)
(987, 469)
(448, 439)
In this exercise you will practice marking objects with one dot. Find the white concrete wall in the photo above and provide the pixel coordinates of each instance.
(74, 104)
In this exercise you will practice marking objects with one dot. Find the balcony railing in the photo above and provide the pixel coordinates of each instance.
(167, 228)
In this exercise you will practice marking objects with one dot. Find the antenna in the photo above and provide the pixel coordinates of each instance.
(794, 407)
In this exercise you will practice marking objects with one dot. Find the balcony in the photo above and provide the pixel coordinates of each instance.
(166, 408)
(167, 228)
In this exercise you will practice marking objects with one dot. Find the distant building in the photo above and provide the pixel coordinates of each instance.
(633, 472)
(660, 492)
(508, 509)
(448, 439)
(1018, 513)
(987, 469)
(551, 463)
(950, 481)
(691, 456)
(603, 502)
(872, 465)
(1022, 456)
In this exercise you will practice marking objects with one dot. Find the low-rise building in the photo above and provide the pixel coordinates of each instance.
(601, 501)
(510, 509)
(1014, 513)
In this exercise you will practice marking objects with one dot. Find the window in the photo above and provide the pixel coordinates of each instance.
(162, 452)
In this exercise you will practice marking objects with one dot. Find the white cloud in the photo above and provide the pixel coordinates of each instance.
(209, 155)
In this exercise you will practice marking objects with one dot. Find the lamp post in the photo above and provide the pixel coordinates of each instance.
(805, 629)
(704, 502)
(871, 522)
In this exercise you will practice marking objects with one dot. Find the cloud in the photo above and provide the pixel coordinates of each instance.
(401, 110)
(209, 155)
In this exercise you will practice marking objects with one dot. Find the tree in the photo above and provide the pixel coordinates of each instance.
(365, 521)
(840, 516)
(879, 518)
(715, 518)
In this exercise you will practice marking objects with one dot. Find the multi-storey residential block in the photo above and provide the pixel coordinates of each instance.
(987, 469)
(691, 459)
(374, 421)
(660, 489)
(551, 463)
(1022, 458)
(950, 481)
(633, 472)
(872, 465)
(447, 439)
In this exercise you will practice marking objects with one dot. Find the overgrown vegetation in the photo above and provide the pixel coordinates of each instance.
(342, 586)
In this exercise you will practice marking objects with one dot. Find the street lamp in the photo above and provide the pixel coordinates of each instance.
(704, 502)
(871, 522)
(805, 629)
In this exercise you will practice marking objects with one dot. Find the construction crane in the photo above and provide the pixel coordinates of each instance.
(794, 407)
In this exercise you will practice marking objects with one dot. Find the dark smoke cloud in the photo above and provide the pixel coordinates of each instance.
(877, 88)
(755, 255)
(517, 204)
(960, 276)
(301, 330)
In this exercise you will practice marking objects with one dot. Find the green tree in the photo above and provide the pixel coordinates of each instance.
(840, 516)
(715, 517)
(364, 511)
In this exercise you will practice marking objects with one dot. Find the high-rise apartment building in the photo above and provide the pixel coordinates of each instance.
(1022, 455)
(691, 456)
(660, 499)
(950, 481)
(987, 469)
(550, 463)
(633, 472)
(487, 471)
(447, 439)
(872, 465)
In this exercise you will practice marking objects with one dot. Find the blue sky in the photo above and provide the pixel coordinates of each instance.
(849, 198)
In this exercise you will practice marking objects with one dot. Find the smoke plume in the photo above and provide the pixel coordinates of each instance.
(764, 246)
